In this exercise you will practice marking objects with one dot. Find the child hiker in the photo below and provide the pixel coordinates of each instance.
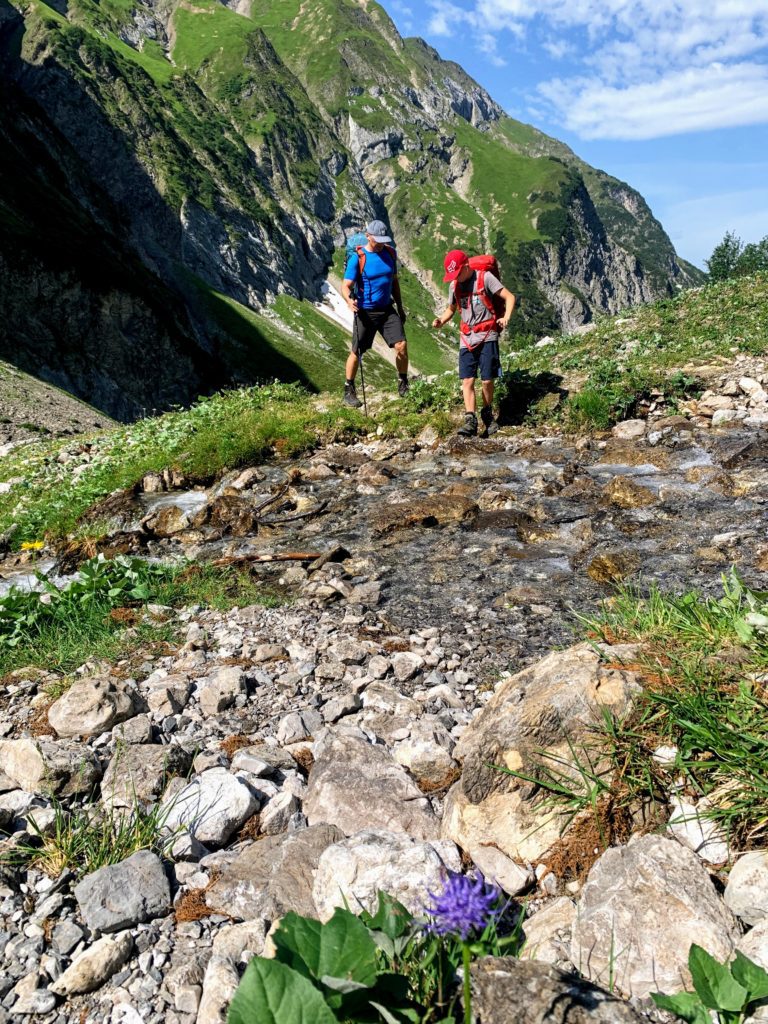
(478, 293)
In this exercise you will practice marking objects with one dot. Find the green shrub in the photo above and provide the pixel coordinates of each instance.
(733, 991)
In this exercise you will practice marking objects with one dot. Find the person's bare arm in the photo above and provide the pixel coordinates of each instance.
(398, 298)
(445, 316)
(346, 294)
(509, 308)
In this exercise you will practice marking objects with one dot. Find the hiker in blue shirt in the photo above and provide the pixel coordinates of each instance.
(369, 287)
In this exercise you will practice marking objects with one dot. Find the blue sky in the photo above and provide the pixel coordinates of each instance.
(668, 95)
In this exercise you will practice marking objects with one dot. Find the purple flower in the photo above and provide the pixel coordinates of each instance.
(463, 906)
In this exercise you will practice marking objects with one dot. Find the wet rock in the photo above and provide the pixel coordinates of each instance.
(625, 493)
(747, 890)
(124, 894)
(547, 933)
(90, 707)
(356, 785)
(167, 521)
(353, 872)
(211, 807)
(642, 907)
(273, 876)
(544, 708)
(95, 965)
(629, 430)
(233, 514)
(63, 767)
(141, 771)
(508, 991)
(437, 510)
(612, 566)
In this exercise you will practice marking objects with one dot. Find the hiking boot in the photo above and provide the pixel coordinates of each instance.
(491, 425)
(350, 397)
(403, 387)
(469, 426)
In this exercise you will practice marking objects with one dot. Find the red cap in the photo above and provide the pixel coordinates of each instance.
(453, 263)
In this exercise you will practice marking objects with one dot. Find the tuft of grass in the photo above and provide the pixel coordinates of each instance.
(703, 659)
(86, 839)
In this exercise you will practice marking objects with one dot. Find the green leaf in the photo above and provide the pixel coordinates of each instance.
(398, 1016)
(686, 1005)
(714, 983)
(271, 993)
(341, 948)
(751, 975)
(743, 630)
(392, 917)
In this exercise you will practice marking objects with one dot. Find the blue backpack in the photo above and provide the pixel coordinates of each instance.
(356, 247)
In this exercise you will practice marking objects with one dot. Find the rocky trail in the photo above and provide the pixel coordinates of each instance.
(344, 742)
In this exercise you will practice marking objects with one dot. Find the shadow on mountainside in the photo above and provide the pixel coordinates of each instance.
(90, 253)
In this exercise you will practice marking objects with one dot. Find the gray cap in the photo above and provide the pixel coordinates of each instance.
(378, 231)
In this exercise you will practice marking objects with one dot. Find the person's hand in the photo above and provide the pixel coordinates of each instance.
(502, 322)
(352, 303)
(437, 322)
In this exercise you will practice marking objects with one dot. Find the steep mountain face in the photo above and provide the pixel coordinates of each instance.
(157, 156)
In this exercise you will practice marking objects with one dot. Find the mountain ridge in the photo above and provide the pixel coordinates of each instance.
(229, 149)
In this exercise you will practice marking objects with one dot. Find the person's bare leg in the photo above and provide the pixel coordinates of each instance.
(468, 390)
(401, 356)
(352, 364)
(488, 386)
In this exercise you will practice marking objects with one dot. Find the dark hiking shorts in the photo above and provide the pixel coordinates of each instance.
(369, 321)
(484, 358)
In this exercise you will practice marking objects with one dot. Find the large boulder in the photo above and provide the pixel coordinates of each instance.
(357, 785)
(211, 807)
(353, 872)
(641, 909)
(60, 767)
(509, 991)
(139, 773)
(273, 876)
(121, 895)
(90, 707)
(544, 710)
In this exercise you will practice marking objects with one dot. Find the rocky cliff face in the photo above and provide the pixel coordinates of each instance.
(221, 149)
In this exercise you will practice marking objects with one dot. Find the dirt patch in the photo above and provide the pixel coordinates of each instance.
(39, 724)
(437, 785)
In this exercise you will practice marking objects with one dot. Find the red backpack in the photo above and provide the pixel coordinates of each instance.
(495, 304)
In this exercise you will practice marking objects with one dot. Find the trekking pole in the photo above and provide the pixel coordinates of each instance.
(362, 381)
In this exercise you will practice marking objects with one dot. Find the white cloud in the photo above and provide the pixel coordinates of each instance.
(695, 99)
(648, 67)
